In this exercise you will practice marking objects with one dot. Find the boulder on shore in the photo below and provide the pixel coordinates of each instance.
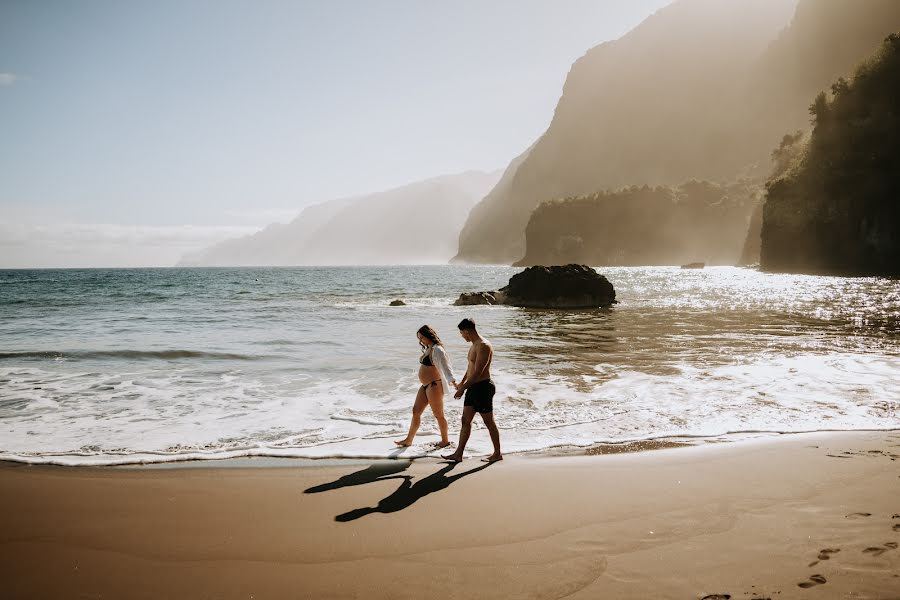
(398, 302)
(476, 298)
(569, 286)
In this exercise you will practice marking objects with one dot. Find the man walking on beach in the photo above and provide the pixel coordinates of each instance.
(479, 390)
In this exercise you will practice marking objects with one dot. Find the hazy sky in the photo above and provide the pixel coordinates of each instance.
(131, 132)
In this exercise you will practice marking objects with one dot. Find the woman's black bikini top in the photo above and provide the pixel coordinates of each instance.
(426, 360)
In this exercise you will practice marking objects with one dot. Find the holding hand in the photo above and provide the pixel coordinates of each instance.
(459, 393)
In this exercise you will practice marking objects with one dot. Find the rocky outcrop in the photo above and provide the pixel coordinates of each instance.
(477, 298)
(397, 302)
(568, 286)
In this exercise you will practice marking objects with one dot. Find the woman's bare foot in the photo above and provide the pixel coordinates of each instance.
(404, 443)
(492, 458)
(439, 445)
(454, 457)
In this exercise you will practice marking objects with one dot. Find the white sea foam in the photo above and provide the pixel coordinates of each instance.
(156, 416)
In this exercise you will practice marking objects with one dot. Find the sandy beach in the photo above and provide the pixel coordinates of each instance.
(808, 515)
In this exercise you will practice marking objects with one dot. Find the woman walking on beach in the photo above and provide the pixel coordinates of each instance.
(436, 377)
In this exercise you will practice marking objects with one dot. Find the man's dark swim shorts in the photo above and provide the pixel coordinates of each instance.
(481, 396)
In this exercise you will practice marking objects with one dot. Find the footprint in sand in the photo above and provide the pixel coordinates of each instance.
(857, 515)
(879, 550)
(813, 581)
(716, 597)
(824, 554)
(896, 527)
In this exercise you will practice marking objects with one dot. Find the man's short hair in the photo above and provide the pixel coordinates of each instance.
(467, 323)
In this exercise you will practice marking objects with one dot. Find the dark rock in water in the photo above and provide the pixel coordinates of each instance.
(398, 303)
(694, 265)
(476, 298)
(569, 286)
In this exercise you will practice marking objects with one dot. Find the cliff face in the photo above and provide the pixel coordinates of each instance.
(414, 224)
(750, 253)
(653, 107)
(836, 209)
(702, 89)
(480, 233)
(696, 221)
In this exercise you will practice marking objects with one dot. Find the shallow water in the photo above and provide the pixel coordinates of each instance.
(148, 365)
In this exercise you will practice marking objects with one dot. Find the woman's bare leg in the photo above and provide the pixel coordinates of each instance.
(435, 394)
(418, 408)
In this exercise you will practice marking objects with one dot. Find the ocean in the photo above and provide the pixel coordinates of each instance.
(125, 366)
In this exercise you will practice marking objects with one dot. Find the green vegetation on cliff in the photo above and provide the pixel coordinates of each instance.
(835, 206)
(664, 225)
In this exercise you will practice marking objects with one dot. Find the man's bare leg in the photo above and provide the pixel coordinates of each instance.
(464, 431)
(488, 419)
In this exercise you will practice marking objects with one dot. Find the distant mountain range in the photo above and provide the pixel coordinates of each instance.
(418, 223)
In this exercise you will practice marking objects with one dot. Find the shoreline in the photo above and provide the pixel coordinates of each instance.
(266, 460)
(749, 519)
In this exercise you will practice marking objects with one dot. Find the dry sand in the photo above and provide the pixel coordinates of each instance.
(752, 519)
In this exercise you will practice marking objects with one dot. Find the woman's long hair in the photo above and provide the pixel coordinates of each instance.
(427, 331)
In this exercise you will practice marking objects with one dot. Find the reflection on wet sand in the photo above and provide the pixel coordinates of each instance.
(638, 446)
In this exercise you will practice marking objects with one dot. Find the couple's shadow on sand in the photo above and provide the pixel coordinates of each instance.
(405, 495)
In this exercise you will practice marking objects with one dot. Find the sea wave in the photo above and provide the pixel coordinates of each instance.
(127, 354)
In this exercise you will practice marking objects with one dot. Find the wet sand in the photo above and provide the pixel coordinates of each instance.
(815, 515)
